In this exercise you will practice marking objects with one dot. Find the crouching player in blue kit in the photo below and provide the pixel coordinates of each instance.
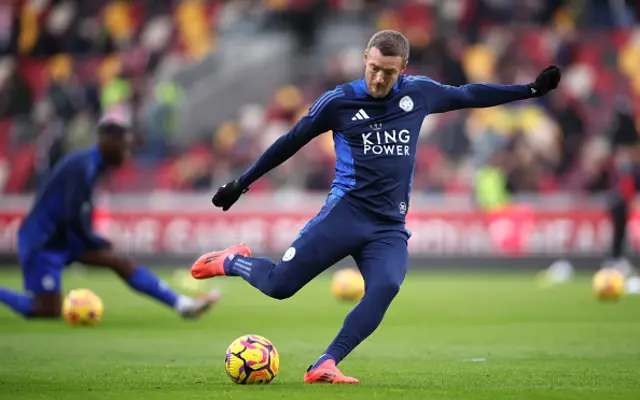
(57, 231)
(375, 123)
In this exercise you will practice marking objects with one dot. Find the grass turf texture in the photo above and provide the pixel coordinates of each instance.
(557, 343)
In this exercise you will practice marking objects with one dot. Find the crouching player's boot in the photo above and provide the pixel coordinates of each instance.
(194, 307)
(327, 372)
(212, 264)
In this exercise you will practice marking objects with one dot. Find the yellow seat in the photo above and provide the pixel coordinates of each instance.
(478, 62)
(60, 67)
(28, 29)
(117, 20)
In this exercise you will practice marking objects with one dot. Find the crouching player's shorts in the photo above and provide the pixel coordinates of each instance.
(42, 270)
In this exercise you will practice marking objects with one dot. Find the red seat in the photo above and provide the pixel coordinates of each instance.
(5, 129)
(22, 166)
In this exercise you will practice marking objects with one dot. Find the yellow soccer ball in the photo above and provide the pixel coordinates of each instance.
(82, 307)
(348, 285)
(251, 359)
(608, 284)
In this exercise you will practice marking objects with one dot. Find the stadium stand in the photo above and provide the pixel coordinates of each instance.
(65, 63)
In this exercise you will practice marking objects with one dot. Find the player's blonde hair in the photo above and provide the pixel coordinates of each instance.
(390, 43)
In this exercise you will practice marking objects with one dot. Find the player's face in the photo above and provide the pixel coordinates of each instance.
(381, 72)
(118, 148)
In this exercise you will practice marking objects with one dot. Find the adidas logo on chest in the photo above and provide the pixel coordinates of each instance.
(360, 115)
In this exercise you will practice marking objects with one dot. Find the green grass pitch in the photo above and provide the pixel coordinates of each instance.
(447, 336)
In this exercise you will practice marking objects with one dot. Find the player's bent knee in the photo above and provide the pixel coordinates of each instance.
(280, 292)
(385, 290)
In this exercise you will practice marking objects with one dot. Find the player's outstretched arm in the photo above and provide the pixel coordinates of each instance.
(314, 123)
(442, 98)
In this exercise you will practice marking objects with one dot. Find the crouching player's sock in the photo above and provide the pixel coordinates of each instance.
(144, 281)
(18, 302)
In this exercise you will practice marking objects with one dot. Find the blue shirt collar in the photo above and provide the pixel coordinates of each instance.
(396, 87)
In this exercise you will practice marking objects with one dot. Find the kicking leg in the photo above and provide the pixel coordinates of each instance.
(322, 243)
(383, 264)
(309, 255)
(144, 281)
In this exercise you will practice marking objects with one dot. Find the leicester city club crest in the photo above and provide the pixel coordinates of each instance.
(406, 103)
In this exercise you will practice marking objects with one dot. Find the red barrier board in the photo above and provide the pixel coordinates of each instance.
(461, 233)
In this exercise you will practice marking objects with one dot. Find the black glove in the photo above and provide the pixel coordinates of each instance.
(546, 81)
(228, 194)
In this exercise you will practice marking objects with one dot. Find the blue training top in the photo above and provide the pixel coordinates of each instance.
(60, 217)
(376, 139)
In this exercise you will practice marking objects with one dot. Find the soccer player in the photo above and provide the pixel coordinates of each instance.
(627, 180)
(375, 123)
(625, 142)
(58, 231)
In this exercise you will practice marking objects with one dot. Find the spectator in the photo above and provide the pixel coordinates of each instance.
(572, 131)
(9, 30)
(119, 56)
(16, 99)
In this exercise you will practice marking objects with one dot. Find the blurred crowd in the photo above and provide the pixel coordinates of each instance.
(66, 63)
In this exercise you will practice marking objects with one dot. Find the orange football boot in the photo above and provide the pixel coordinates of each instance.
(327, 372)
(212, 264)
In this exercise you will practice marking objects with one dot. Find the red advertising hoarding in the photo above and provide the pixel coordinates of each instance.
(513, 232)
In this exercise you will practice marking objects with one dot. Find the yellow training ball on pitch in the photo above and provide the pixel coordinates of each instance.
(182, 279)
(82, 307)
(348, 285)
(608, 284)
(251, 359)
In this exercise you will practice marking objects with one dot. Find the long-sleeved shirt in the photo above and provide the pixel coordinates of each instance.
(376, 139)
(60, 217)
